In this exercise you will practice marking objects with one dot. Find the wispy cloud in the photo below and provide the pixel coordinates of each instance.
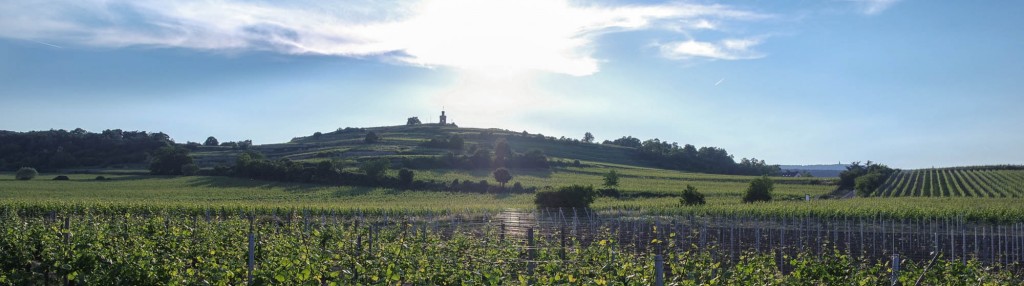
(727, 49)
(546, 35)
(874, 7)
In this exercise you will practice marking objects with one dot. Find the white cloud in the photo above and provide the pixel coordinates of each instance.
(727, 49)
(489, 35)
(874, 7)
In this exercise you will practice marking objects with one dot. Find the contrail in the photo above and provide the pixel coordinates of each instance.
(720, 81)
(48, 44)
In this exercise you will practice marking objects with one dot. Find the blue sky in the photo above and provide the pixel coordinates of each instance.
(909, 83)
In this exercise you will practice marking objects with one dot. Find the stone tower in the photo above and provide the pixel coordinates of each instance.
(444, 119)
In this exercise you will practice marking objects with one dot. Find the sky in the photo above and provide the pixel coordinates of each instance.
(908, 83)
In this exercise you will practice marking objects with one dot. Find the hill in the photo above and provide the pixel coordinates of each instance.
(346, 146)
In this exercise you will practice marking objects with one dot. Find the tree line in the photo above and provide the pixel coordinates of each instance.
(689, 158)
(59, 149)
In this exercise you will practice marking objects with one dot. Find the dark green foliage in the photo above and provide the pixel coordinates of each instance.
(61, 178)
(576, 163)
(611, 179)
(502, 152)
(189, 169)
(211, 141)
(26, 173)
(56, 149)
(375, 168)
(706, 159)
(502, 175)
(574, 196)
(413, 121)
(517, 188)
(405, 177)
(864, 178)
(169, 160)
(101, 178)
(627, 141)
(588, 138)
(691, 197)
(454, 142)
(317, 135)
(760, 190)
(371, 137)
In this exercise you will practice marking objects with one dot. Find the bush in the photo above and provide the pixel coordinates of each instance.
(189, 169)
(375, 168)
(101, 178)
(61, 178)
(866, 184)
(371, 138)
(611, 179)
(169, 160)
(517, 188)
(575, 196)
(760, 190)
(405, 177)
(26, 173)
(691, 197)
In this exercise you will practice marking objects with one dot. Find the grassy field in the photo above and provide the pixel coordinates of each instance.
(723, 196)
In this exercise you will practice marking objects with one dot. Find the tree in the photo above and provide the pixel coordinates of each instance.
(405, 177)
(26, 173)
(760, 190)
(588, 138)
(169, 160)
(502, 176)
(413, 121)
(371, 138)
(211, 141)
(502, 152)
(611, 179)
(375, 169)
(691, 196)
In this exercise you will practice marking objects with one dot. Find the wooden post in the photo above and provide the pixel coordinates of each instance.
(252, 255)
(659, 270)
(531, 253)
(561, 252)
(502, 232)
(895, 269)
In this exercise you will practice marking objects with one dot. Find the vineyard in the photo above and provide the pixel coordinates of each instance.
(954, 182)
(614, 247)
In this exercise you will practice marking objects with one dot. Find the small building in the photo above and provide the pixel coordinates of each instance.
(444, 119)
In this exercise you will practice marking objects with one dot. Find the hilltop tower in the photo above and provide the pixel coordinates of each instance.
(444, 119)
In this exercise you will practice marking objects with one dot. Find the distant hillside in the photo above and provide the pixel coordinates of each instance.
(407, 142)
(816, 170)
(346, 146)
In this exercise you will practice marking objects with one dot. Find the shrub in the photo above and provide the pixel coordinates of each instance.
(169, 160)
(405, 177)
(189, 169)
(375, 168)
(611, 179)
(61, 178)
(517, 188)
(101, 178)
(565, 197)
(26, 173)
(760, 189)
(691, 196)
(371, 138)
